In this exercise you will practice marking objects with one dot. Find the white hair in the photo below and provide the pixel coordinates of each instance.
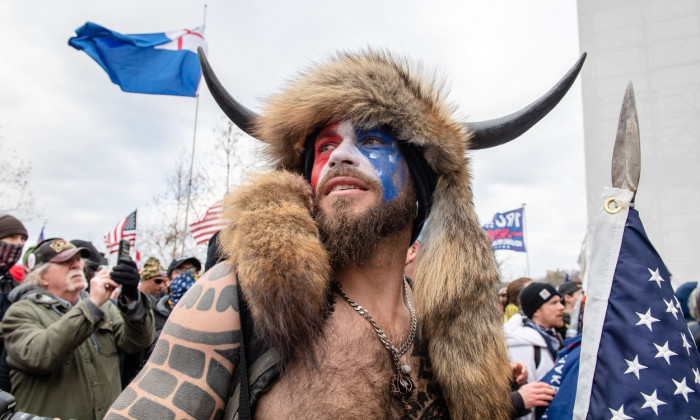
(34, 277)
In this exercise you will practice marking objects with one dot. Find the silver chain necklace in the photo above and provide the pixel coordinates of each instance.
(401, 382)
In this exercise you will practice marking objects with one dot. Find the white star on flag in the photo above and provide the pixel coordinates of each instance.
(671, 307)
(634, 366)
(664, 352)
(619, 414)
(655, 276)
(652, 402)
(646, 319)
(686, 344)
(682, 388)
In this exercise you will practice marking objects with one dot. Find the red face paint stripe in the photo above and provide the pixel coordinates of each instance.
(327, 135)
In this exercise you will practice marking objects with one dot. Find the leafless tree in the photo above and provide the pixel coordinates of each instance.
(15, 196)
(228, 141)
(169, 237)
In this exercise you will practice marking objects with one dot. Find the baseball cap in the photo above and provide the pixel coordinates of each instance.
(55, 250)
(568, 287)
(95, 256)
(177, 262)
(535, 295)
(153, 269)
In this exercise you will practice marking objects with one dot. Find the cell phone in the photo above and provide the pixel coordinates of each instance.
(124, 249)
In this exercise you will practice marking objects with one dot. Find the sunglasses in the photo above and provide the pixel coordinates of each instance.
(158, 281)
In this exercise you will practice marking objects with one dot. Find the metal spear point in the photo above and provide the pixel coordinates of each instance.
(626, 162)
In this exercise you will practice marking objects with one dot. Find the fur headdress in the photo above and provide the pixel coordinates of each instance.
(456, 272)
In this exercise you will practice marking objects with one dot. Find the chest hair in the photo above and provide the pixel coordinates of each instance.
(352, 378)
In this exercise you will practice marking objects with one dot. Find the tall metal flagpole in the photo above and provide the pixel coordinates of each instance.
(194, 140)
(527, 252)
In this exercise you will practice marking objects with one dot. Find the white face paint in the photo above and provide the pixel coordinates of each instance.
(374, 152)
(338, 144)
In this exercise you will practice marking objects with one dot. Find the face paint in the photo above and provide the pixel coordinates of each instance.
(375, 152)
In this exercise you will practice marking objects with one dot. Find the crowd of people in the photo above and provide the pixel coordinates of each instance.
(68, 325)
(75, 333)
(542, 323)
(312, 314)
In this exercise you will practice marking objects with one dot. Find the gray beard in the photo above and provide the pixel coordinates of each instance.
(350, 239)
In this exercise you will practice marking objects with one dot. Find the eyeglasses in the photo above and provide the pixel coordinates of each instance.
(158, 281)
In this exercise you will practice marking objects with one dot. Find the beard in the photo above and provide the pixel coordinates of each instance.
(352, 239)
(72, 287)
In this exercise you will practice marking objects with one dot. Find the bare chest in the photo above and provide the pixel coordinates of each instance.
(352, 380)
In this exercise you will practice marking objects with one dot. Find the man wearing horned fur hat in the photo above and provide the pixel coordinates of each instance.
(310, 316)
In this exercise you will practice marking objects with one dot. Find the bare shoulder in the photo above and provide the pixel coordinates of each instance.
(189, 373)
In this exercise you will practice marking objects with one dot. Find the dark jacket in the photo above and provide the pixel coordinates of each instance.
(161, 312)
(132, 363)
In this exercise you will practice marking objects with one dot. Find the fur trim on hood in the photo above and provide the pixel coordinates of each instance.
(456, 272)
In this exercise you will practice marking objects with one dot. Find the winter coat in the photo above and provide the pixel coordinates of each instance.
(521, 342)
(64, 360)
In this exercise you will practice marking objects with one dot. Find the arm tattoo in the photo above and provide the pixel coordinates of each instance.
(202, 337)
(189, 373)
(220, 270)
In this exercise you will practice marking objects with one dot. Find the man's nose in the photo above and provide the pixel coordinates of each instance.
(75, 263)
(346, 154)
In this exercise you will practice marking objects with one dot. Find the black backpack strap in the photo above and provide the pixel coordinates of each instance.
(538, 356)
(244, 402)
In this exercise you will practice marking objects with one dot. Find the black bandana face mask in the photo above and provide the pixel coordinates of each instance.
(9, 254)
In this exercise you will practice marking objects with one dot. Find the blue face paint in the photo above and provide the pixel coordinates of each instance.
(382, 150)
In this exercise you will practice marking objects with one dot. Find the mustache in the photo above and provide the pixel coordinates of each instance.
(370, 183)
(69, 276)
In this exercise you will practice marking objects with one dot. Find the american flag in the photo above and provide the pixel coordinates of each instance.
(126, 229)
(206, 226)
(638, 359)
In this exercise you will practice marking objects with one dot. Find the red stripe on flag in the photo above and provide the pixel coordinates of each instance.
(206, 226)
(113, 237)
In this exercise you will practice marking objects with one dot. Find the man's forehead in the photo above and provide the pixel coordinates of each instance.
(553, 299)
(357, 126)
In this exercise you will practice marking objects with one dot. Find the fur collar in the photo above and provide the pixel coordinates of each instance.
(282, 267)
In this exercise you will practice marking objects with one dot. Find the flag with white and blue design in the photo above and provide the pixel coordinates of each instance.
(506, 231)
(563, 378)
(163, 63)
(638, 359)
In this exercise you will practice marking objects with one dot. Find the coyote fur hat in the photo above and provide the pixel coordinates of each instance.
(456, 271)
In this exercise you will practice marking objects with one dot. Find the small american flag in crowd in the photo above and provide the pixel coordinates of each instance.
(126, 229)
(638, 359)
(41, 235)
(206, 226)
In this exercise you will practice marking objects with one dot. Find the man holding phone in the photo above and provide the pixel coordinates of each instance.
(63, 341)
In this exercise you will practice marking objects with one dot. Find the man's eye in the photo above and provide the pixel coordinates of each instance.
(373, 141)
(326, 147)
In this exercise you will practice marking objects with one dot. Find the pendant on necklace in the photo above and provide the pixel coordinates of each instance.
(401, 383)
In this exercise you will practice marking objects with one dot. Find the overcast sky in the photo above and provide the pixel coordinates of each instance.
(99, 153)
